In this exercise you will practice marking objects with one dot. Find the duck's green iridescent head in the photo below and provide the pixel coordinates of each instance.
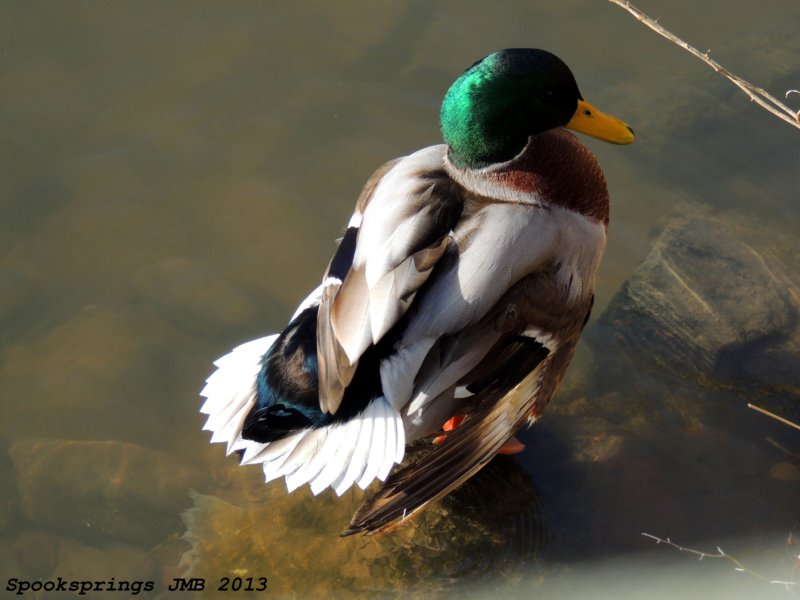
(489, 113)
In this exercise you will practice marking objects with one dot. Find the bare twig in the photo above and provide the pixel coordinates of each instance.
(737, 565)
(756, 94)
(774, 416)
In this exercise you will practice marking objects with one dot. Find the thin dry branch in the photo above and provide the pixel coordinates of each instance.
(774, 416)
(756, 94)
(737, 565)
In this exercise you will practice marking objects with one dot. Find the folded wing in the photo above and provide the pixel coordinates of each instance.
(500, 410)
(399, 232)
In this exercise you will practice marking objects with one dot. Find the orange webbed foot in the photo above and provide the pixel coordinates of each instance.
(449, 425)
(512, 446)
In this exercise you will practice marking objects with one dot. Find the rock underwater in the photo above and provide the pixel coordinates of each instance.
(716, 303)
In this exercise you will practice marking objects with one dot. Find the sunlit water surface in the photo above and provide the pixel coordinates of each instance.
(174, 178)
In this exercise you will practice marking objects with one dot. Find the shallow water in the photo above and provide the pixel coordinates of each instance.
(174, 178)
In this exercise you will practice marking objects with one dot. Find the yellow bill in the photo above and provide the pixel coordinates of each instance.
(587, 119)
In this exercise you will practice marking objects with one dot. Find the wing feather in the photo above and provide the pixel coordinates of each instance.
(464, 452)
(334, 369)
(391, 296)
(408, 212)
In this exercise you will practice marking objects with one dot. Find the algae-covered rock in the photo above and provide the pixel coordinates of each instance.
(101, 490)
(490, 527)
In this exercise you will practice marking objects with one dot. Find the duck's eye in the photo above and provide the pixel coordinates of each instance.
(547, 94)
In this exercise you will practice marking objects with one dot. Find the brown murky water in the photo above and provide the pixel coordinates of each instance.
(174, 177)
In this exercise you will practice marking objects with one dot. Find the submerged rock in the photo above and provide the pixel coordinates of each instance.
(715, 303)
(101, 491)
(43, 555)
(657, 433)
(123, 571)
(9, 504)
(36, 553)
(785, 471)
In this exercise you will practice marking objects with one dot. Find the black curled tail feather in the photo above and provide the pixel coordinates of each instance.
(287, 385)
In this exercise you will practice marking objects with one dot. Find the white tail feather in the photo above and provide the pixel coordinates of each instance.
(314, 460)
(336, 456)
(339, 457)
(389, 446)
(377, 450)
(358, 460)
(230, 391)
(400, 441)
(272, 452)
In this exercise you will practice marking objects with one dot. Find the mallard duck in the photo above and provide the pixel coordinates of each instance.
(450, 310)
